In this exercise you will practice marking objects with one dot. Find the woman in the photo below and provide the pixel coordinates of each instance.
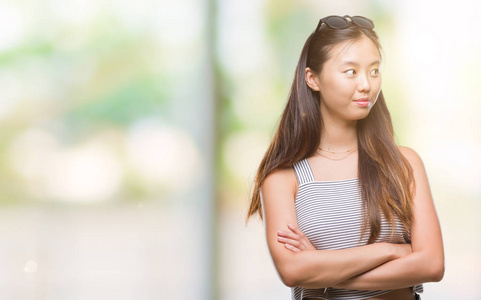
(348, 214)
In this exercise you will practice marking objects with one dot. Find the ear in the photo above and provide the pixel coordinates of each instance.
(311, 79)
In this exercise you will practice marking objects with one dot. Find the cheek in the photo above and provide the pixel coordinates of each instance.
(337, 87)
(379, 83)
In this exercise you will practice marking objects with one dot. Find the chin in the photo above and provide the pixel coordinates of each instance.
(362, 116)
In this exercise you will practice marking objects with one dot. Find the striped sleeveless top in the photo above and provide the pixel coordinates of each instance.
(330, 215)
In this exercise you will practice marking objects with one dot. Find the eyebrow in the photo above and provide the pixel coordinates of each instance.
(356, 64)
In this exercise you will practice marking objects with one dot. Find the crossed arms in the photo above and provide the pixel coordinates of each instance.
(378, 266)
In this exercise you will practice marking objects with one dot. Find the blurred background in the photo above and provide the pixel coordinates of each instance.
(131, 131)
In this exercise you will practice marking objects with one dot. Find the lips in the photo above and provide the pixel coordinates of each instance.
(362, 102)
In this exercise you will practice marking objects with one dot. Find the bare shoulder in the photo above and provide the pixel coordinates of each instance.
(419, 172)
(412, 156)
(281, 179)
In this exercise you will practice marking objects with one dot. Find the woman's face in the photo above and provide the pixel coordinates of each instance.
(352, 72)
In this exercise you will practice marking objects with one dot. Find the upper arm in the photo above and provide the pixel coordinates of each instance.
(278, 196)
(426, 231)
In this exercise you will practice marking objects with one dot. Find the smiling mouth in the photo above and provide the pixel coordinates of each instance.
(362, 102)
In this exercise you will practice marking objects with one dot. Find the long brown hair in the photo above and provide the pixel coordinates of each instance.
(385, 176)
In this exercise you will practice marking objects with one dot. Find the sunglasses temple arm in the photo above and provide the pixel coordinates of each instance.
(319, 24)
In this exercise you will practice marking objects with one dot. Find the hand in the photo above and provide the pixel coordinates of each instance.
(294, 240)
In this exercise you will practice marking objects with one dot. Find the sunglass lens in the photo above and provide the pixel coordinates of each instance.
(337, 22)
(363, 22)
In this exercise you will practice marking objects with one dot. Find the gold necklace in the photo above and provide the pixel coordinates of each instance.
(338, 152)
(352, 151)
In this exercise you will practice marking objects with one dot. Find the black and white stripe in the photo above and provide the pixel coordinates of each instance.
(330, 214)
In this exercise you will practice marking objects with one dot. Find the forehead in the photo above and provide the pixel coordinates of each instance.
(361, 51)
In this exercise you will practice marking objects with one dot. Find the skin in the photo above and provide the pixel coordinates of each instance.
(379, 266)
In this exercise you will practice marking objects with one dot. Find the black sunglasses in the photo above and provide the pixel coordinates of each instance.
(338, 22)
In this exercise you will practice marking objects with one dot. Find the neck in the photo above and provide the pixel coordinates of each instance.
(338, 136)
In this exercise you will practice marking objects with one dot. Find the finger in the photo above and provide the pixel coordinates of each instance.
(289, 241)
(292, 248)
(295, 229)
(289, 235)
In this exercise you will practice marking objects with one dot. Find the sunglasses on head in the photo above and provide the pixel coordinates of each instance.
(338, 22)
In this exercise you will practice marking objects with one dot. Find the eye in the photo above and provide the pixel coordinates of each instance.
(350, 72)
(376, 71)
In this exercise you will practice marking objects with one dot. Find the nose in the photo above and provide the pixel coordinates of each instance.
(364, 84)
